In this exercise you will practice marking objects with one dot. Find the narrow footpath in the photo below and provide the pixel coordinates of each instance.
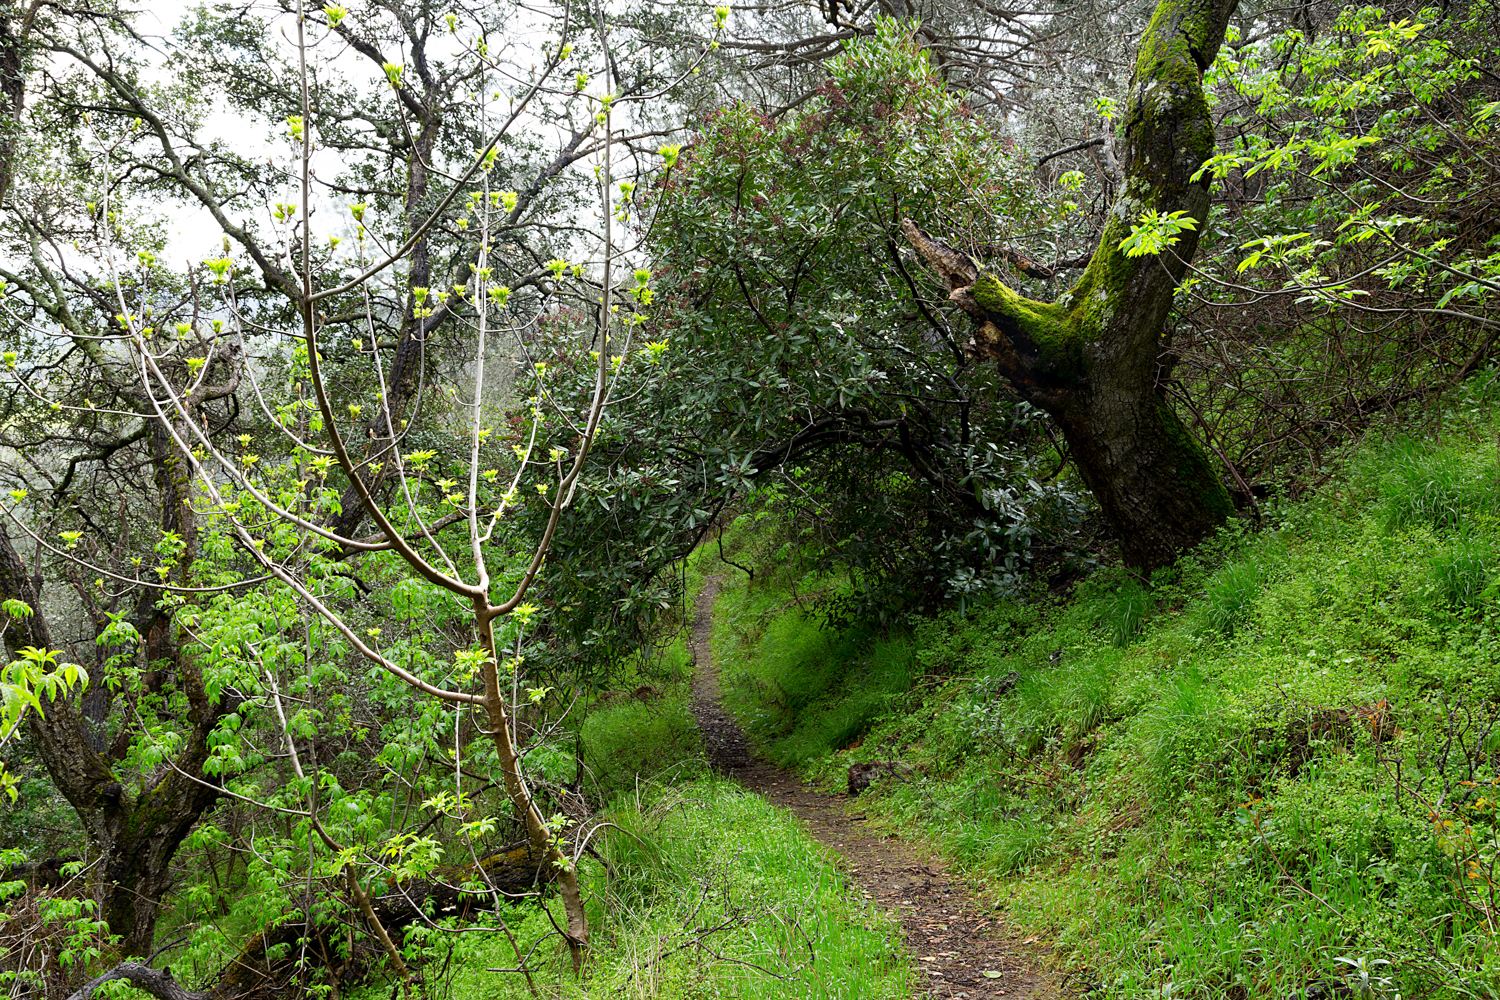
(962, 950)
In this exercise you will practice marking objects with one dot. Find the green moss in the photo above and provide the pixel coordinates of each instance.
(1109, 272)
(1194, 471)
(1178, 27)
(1060, 329)
(990, 292)
(1047, 324)
(1168, 77)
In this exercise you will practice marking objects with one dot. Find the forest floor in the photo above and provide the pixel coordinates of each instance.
(960, 945)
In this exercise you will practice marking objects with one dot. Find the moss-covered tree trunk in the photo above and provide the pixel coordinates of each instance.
(1090, 358)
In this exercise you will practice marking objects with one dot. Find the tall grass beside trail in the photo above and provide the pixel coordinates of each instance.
(714, 893)
(1272, 772)
(644, 731)
(699, 889)
(800, 689)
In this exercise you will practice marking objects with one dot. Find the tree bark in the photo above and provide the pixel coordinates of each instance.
(1090, 359)
(546, 843)
(16, 19)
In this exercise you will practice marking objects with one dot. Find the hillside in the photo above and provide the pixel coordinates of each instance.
(1270, 771)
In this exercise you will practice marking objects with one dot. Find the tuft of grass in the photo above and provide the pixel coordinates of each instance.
(634, 740)
(999, 844)
(1177, 736)
(1229, 594)
(1127, 613)
(1081, 696)
(1019, 845)
(1461, 570)
(1437, 486)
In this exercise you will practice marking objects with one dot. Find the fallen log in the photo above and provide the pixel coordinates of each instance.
(157, 982)
(267, 964)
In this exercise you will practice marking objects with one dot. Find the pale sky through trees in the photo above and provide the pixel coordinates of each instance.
(192, 237)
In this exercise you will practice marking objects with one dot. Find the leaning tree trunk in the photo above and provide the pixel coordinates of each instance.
(1090, 358)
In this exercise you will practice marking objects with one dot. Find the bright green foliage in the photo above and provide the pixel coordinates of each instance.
(1155, 231)
(66, 929)
(1350, 259)
(27, 684)
(1378, 149)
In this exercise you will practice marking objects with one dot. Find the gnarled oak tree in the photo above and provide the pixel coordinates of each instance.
(1091, 358)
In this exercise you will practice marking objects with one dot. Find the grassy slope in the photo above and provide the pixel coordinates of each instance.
(1273, 770)
(644, 731)
(722, 895)
(715, 893)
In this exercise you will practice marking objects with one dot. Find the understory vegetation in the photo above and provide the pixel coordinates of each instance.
(1271, 770)
(715, 893)
(645, 732)
(1088, 410)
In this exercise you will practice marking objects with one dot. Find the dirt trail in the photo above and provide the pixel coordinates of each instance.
(956, 943)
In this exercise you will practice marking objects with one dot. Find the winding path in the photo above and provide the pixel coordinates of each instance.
(963, 950)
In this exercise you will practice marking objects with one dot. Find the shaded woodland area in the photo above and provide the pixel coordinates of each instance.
(371, 374)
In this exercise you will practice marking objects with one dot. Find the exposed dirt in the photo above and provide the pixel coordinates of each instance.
(963, 950)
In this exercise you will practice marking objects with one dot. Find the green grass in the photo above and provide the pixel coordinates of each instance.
(1439, 486)
(715, 894)
(800, 689)
(1272, 768)
(633, 741)
(1125, 615)
(699, 889)
(1462, 570)
(643, 731)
